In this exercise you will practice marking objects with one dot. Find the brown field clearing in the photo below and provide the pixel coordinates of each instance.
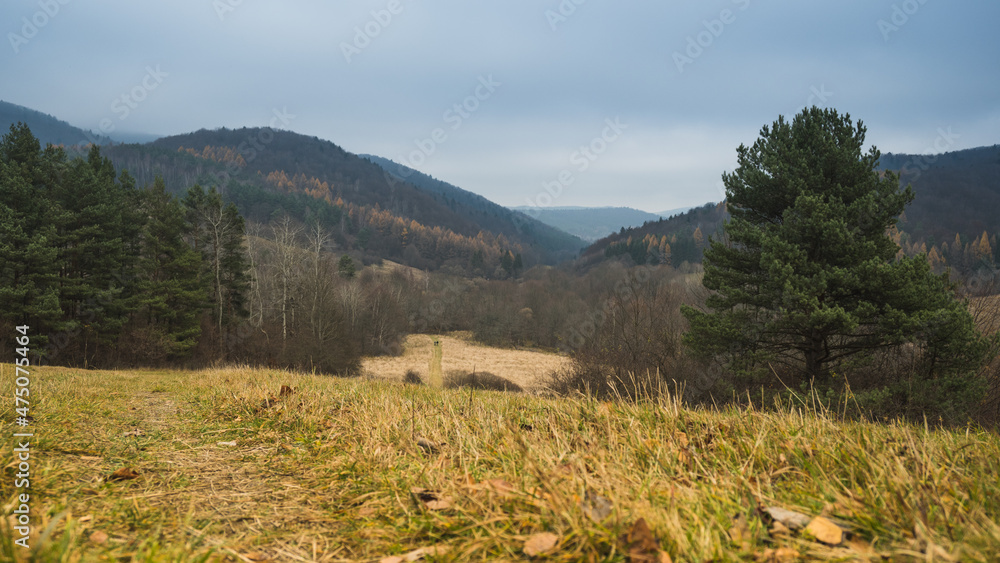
(528, 369)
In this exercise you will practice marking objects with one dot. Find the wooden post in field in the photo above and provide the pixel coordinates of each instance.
(436, 379)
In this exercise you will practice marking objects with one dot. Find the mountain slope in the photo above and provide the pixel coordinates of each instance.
(678, 239)
(269, 172)
(45, 127)
(956, 193)
(589, 223)
(264, 151)
(489, 215)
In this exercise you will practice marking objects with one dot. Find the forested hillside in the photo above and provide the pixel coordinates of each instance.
(46, 128)
(101, 270)
(490, 216)
(268, 172)
(957, 192)
(954, 218)
(590, 223)
(674, 241)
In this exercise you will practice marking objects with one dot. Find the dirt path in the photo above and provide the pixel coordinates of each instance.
(214, 485)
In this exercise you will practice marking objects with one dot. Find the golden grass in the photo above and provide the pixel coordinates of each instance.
(528, 369)
(325, 474)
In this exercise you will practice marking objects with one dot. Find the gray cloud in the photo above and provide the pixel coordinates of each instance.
(906, 77)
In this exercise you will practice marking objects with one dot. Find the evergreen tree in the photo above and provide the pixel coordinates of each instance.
(28, 254)
(217, 231)
(345, 267)
(173, 292)
(94, 236)
(478, 262)
(69, 230)
(507, 261)
(808, 276)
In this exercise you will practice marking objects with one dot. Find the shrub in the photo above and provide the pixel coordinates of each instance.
(479, 380)
(605, 384)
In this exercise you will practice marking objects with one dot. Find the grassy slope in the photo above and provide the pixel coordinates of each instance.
(325, 475)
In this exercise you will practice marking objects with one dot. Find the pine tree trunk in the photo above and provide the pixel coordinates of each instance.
(814, 356)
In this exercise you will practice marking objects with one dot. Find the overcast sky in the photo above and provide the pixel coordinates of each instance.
(499, 97)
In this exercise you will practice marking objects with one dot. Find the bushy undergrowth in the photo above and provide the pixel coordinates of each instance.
(479, 380)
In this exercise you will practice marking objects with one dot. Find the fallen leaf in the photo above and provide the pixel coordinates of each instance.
(540, 543)
(780, 555)
(740, 530)
(825, 531)
(415, 555)
(230, 444)
(285, 391)
(99, 537)
(779, 529)
(791, 519)
(681, 438)
(136, 432)
(123, 474)
(432, 500)
(684, 457)
(664, 557)
(862, 547)
(501, 487)
(596, 507)
(86, 518)
(256, 556)
(444, 504)
(641, 544)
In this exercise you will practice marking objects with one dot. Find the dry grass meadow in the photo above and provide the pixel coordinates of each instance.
(251, 465)
(528, 369)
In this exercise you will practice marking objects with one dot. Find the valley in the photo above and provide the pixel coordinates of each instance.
(253, 345)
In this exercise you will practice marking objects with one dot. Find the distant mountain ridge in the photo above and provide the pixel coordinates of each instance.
(48, 129)
(488, 214)
(268, 172)
(589, 223)
(956, 192)
(957, 195)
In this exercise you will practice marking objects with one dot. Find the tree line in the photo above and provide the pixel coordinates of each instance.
(110, 274)
(107, 273)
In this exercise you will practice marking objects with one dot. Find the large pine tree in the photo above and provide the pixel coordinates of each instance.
(28, 253)
(173, 292)
(805, 274)
(97, 226)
